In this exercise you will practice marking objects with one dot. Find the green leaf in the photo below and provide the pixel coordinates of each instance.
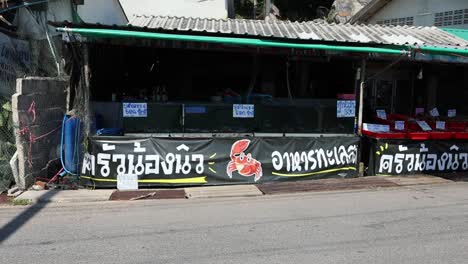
(2, 120)
(7, 106)
(10, 122)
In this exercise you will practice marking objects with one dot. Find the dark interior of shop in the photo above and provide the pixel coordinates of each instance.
(194, 91)
(411, 85)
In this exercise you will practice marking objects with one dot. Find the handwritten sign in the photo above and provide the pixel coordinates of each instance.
(243, 111)
(382, 114)
(434, 112)
(345, 108)
(135, 110)
(440, 125)
(400, 125)
(419, 111)
(127, 182)
(424, 125)
(376, 127)
(452, 113)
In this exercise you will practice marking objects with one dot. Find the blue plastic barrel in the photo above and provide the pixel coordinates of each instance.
(71, 137)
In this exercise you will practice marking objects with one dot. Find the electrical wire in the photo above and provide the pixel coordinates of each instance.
(24, 4)
(386, 68)
(287, 81)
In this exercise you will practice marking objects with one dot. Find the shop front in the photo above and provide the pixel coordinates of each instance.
(417, 120)
(193, 116)
(176, 109)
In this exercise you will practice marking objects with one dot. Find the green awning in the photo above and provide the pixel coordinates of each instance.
(113, 33)
(461, 33)
(395, 50)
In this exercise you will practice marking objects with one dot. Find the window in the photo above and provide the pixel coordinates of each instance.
(403, 21)
(449, 18)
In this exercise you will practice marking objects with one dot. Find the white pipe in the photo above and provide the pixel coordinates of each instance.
(361, 96)
(14, 167)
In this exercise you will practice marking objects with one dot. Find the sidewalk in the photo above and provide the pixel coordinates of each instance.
(365, 183)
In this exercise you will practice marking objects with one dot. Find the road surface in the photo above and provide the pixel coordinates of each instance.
(427, 224)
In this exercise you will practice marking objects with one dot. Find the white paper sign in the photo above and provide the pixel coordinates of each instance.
(419, 111)
(381, 114)
(345, 108)
(127, 182)
(434, 112)
(376, 127)
(440, 125)
(424, 125)
(243, 111)
(452, 113)
(400, 125)
(135, 109)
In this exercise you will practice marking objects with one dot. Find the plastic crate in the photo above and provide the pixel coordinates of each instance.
(385, 135)
(461, 135)
(456, 126)
(441, 135)
(419, 135)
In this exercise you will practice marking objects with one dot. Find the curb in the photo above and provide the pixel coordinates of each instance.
(228, 191)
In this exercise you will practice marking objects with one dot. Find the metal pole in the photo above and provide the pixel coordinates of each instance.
(267, 8)
(183, 118)
(254, 10)
(361, 95)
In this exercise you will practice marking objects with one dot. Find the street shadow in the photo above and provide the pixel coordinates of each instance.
(20, 220)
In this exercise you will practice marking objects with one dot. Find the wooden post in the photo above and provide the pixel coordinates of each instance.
(86, 107)
(361, 95)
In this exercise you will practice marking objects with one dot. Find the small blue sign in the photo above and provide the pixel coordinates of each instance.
(345, 108)
(243, 111)
(195, 110)
(135, 110)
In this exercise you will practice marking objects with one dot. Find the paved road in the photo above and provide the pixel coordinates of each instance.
(406, 225)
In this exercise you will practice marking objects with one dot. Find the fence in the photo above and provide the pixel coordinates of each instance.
(7, 143)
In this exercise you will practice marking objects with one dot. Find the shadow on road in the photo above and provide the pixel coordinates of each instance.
(16, 223)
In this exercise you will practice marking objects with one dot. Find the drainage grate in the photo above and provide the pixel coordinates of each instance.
(326, 185)
(160, 194)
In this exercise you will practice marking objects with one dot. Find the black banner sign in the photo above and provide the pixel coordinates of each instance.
(395, 157)
(165, 161)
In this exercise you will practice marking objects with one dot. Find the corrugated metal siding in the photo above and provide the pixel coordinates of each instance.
(317, 31)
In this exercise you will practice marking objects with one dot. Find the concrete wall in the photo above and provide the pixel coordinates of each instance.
(107, 12)
(38, 105)
(59, 10)
(423, 11)
(179, 8)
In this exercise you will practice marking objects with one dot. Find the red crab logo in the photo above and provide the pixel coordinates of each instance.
(243, 163)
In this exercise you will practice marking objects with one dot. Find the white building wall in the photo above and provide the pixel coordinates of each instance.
(186, 8)
(107, 12)
(423, 12)
(59, 10)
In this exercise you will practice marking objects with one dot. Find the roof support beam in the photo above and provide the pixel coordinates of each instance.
(113, 33)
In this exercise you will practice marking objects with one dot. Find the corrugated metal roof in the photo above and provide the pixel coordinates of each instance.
(313, 30)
